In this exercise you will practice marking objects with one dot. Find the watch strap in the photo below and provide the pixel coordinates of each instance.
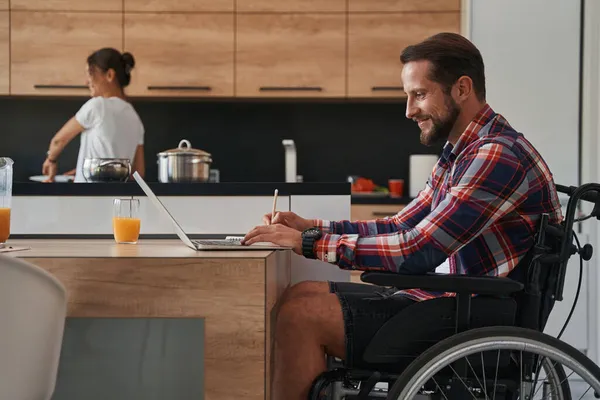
(308, 243)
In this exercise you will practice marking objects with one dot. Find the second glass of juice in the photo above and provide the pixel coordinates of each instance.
(126, 221)
(6, 175)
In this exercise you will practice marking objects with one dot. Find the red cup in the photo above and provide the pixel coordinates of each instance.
(396, 187)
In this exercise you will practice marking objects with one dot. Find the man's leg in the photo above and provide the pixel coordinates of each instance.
(305, 288)
(309, 288)
(309, 325)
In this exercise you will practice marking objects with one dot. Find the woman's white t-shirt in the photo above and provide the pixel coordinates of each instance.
(113, 129)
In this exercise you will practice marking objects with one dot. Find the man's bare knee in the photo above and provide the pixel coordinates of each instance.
(318, 316)
(305, 288)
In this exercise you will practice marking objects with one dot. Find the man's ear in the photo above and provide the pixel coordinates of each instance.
(464, 86)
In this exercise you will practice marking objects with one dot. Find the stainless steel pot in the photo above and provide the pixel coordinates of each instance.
(106, 169)
(183, 164)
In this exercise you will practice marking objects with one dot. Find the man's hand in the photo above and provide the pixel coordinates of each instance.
(290, 219)
(49, 168)
(278, 234)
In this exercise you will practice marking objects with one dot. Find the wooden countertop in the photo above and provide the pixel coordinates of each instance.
(107, 248)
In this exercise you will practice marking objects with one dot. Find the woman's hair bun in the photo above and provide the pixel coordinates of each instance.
(128, 61)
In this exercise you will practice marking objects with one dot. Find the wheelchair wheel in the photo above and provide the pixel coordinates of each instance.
(499, 363)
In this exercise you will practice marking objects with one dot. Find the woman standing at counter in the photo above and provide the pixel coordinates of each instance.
(109, 125)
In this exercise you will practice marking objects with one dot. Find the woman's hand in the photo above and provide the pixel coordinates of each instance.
(67, 133)
(49, 168)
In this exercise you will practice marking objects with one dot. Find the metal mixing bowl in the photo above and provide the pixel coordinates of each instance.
(106, 169)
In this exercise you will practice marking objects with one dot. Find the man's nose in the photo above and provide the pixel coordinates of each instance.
(411, 109)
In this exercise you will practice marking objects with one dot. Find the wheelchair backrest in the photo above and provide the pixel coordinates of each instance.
(540, 273)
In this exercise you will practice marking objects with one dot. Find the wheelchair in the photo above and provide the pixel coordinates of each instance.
(487, 341)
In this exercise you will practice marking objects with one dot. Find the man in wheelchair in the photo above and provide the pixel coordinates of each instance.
(480, 209)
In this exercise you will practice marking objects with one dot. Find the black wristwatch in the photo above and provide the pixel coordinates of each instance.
(309, 237)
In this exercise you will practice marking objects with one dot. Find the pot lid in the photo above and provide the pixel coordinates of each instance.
(185, 147)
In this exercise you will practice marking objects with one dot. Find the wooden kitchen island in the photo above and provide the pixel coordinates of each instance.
(233, 291)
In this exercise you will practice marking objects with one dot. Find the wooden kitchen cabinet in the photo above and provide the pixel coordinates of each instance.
(4, 53)
(367, 212)
(185, 54)
(49, 49)
(291, 6)
(291, 55)
(179, 5)
(67, 5)
(375, 41)
(403, 5)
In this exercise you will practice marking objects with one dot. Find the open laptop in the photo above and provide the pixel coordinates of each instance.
(229, 243)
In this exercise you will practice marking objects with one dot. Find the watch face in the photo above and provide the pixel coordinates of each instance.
(312, 233)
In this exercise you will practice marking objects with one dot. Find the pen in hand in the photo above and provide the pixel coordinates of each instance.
(274, 205)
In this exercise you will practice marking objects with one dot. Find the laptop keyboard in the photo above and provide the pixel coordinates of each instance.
(222, 242)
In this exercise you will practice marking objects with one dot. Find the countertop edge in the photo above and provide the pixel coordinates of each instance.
(108, 249)
(181, 189)
(203, 189)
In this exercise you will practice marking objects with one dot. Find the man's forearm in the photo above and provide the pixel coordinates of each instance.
(361, 228)
(406, 219)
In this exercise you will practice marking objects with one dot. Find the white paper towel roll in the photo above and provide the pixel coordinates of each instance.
(421, 166)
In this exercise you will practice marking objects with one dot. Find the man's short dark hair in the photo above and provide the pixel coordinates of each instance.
(451, 56)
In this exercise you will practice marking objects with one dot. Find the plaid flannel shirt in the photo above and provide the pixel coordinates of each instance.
(479, 208)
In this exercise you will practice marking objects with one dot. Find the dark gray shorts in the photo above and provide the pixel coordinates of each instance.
(365, 308)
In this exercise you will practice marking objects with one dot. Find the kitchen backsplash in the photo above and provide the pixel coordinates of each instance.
(333, 139)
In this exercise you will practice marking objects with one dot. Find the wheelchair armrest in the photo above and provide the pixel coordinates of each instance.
(491, 285)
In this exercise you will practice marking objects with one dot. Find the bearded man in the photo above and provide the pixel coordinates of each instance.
(479, 209)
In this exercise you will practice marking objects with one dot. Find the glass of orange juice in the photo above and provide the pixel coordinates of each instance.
(6, 169)
(4, 224)
(126, 221)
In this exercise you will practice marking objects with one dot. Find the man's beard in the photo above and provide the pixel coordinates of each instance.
(441, 127)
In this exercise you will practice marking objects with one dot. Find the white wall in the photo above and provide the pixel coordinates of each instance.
(531, 51)
(531, 54)
(590, 149)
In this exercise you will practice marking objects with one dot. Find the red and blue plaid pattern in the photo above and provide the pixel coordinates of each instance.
(478, 209)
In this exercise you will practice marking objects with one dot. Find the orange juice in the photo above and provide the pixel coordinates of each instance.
(4, 224)
(126, 230)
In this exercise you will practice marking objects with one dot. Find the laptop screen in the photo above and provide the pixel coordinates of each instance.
(159, 205)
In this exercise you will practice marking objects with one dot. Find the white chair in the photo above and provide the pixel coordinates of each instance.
(33, 308)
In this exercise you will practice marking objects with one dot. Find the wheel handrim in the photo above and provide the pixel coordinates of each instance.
(486, 344)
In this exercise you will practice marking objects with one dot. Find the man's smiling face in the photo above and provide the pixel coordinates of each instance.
(429, 103)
